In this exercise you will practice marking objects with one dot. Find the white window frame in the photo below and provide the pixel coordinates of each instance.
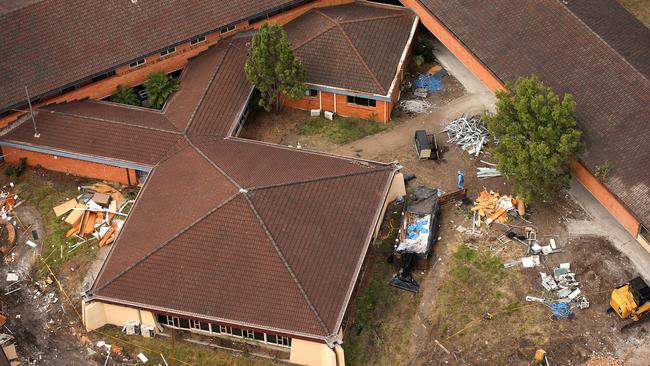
(167, 51)
(137, 63)
(227, 29)
(197, 40)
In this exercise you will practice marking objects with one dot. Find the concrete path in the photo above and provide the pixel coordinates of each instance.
(604, 224)
(456, 68)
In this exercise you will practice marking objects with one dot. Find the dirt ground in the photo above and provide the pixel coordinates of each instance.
(402, 328)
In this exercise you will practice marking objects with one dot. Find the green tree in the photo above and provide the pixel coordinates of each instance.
(125, 96)
(159, 87)
(272, 67)
(537, 138)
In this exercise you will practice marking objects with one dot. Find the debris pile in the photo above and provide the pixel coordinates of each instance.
(488, 171)
(533, 249)
(470, 134)
(415, 106)
(96, 213)
(8, 202)
(565, 288)
(490, 207)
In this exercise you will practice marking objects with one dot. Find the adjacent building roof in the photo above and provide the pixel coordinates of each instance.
(355, 46)
(49, 44)
(224, 229)
(591, 49)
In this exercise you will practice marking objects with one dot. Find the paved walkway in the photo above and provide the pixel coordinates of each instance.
(604, 224)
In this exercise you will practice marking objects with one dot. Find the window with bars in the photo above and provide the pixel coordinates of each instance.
(167, 51)
(137, 63)
(197, 40)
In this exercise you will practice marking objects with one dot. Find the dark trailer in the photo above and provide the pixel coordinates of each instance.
(426, 146)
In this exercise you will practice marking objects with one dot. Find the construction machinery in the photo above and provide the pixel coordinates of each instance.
(631, 301)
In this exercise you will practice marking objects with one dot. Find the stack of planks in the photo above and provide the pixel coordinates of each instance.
(490, 207)
(98, 212)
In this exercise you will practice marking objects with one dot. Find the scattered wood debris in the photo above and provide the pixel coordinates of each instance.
(98, 213)
(490, 207)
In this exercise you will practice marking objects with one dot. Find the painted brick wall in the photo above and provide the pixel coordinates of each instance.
(72, 166)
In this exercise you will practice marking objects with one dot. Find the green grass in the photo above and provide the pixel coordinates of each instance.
(375, 331)
(639, 8)
(342, 130)
(184, 352)
(55, 246)
(475, 283)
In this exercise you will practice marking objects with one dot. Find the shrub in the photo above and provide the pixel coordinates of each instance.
(16, 171)
(418, 60)
(159, 87)
(424, 47)
(124, 96)
(602, 170)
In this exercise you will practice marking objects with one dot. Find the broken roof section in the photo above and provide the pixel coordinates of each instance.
(570, 51)
(46, 46)
(352, 46)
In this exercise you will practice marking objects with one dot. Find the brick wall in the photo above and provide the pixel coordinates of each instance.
(127, 76)
(72, 166)
(607, 199)
(325, 101)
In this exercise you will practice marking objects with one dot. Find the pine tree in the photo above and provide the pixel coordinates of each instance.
(272, 67)
(159, 87)
(125, 96)
(537, 138)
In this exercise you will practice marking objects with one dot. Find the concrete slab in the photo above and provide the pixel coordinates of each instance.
(604, 224)
(456, 68)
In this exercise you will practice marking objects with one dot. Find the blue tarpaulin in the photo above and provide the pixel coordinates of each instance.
(429, 82)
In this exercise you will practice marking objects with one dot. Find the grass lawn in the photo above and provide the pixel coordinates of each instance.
(640, 9)
(379, 314)
(342, 130)
(185, 353)
(44, 196)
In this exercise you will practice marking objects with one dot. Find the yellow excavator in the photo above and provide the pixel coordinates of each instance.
(631, 301)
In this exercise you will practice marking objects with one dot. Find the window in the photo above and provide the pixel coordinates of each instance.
(311, 93)
(195, 324)
(258, 336)
(168, 51)
(227, 29)
(362, 101)
(214, 328)
(184, 323)
(197, 40)
(137, 63)
(103, 76)
(279, 340)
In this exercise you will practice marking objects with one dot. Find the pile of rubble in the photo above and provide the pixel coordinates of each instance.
(96, 213)
(470, 134)
(490, 207)
(8, 202)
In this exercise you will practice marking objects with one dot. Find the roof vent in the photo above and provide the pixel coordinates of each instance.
(243, 190)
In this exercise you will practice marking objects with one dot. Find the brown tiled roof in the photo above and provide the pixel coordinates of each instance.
(355, 46)
(224, 229)
(282, 231)
(568, 50)
(51, 43)
(92, 137)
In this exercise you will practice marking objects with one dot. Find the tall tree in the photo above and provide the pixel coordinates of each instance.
(272, 67)
(125, 96)
(159, 87)
(537, 138)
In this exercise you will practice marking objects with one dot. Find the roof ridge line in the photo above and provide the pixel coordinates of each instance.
(306, 151)
(373, 18)
(112, 121)
(620, 56)
(205, 92)
(215, 165)
(169, 155)
(287, 266)
(356, 51)
(314, 37)
(166, 242)
(319, 179)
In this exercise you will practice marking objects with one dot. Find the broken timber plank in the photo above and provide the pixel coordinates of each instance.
(64, 207)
